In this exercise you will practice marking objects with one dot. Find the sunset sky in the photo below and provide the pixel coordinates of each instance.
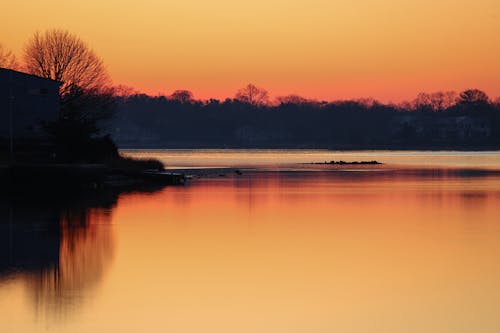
(328, 49)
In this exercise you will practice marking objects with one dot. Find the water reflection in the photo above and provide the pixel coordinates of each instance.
(387, 250)
(335, 250)
(179, 158)
(60, 247)
(60, 251)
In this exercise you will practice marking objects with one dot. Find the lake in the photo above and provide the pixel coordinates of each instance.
(411, 245)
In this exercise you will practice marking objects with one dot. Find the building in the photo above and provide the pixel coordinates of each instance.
(27, 102)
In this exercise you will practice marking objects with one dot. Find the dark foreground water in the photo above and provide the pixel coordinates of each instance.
(409, 246)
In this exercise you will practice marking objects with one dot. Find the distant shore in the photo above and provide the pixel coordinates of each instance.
(314, 147)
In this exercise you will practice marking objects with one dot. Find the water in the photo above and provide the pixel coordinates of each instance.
(187, 158)
(390, 248)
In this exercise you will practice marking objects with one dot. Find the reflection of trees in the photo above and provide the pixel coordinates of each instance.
(60, 245)
(85, 250)
(61, 250)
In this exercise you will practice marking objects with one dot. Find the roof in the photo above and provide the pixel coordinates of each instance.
(5, 71)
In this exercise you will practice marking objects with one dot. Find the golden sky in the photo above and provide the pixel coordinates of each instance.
(329, 49)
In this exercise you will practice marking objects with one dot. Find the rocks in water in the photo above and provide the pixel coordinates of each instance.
(350, 163)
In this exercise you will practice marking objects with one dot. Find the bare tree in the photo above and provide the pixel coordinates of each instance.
(182, 96)
(437, 101)
(473, 97)
(8, 59)
(61, 56)
(441, 101)
(86, 94)
(367, 102)
(122, 90)
(422, 102)
(292, 99)
(87, 99)
(253, 95)
(450, 99)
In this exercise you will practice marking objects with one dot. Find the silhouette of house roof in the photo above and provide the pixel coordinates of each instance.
(5, 72)
(26, 102)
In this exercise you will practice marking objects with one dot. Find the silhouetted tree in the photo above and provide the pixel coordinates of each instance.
(253, 95)
(497, 102)
(367, 102)
(422, 102)
(61, 56)
(122, 90)
(86, 96)
(8, 59)
(437, 101)
(449, 99)
(473, 98)
(292, 99)
(85, 90)
(182, 96)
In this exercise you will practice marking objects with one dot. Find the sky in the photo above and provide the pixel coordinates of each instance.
(389, 50)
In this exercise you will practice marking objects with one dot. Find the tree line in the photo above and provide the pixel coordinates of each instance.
(468, 120)
(93, 111)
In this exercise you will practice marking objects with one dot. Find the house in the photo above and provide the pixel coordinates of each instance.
(27, 102)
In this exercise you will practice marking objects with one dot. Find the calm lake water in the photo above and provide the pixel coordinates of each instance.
(412, 245)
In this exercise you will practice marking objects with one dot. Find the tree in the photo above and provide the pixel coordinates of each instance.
(86, 96)
(292, 99)
(449, 99)
(182, 96)
(422, 102)
(473, 98)
(367, 102)
(125, 91)
(61, 56)
(497, 102)
(437, 101)
(8, 59)
(85, 91)
(253, 95)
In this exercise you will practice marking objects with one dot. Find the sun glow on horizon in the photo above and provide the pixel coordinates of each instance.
(387, 49)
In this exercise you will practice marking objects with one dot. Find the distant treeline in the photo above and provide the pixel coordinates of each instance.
(469, 120)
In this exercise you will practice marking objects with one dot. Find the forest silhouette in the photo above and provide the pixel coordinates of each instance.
(442, 120)
(93, 111)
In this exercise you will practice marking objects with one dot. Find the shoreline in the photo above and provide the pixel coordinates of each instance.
(315, 147)
(43, 177)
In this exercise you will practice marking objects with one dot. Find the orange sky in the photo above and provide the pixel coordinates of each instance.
(328, 49)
